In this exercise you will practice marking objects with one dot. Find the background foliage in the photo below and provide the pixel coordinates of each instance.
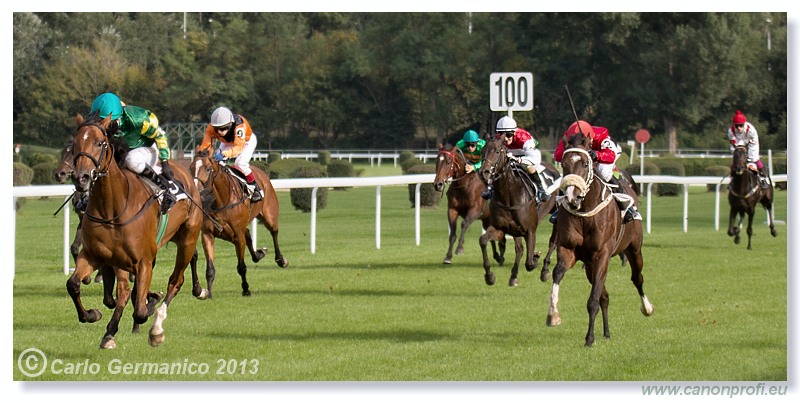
(406, 80)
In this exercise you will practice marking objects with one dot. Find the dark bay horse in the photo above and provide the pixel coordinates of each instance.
(226, 202)
(123, 229)
(744, 194)
(590, 229)
(463, 200)
(513, 209)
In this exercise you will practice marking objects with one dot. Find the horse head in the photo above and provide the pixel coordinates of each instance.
(739, 164)
(578, 170)
(204, 169)
(91, 155)
(495, 159)
(447, 166)
(64, 169)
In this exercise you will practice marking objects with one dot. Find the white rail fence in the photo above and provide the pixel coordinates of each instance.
(378, 182)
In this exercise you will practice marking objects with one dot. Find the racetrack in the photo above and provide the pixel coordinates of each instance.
(353, 312)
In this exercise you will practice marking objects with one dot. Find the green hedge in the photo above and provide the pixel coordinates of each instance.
(716, 170)
(427, 196)
(324, 157)
(405, 156)
(283, 169)
(406, 165)
(23, 175)
(301, 197)
(43, 173)
(670, 167)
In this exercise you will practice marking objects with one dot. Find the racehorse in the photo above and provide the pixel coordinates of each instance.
(123, 229)
(463, 200)
(590, 229)
(744, 194)
(552, 243)
(226, 202)
(513, 208)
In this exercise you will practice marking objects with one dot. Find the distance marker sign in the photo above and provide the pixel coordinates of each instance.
(511, 91)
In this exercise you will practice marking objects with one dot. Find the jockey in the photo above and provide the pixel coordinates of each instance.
(604, 152)
(236, 141)
(744, 133)
(471, 145)
(522, 149)
(138, 127)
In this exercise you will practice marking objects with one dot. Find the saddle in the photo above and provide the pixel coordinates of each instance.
(241, 178)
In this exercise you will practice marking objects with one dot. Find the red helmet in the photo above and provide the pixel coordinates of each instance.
(580, 126)
(739, 118)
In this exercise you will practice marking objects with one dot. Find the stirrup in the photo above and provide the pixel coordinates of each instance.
(168, 200)
(486, 194)
(543, 196)
(553, 217)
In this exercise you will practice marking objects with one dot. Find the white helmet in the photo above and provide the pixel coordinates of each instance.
(221, 116)
(506, 124)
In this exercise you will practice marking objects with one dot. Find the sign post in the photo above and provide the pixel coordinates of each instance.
(511, 92)
(642, 136)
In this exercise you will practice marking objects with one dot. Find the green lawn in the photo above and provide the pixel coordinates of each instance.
(353, 312)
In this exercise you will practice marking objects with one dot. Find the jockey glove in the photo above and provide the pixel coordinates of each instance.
(593, 154)
(218, 156)
(166, 171)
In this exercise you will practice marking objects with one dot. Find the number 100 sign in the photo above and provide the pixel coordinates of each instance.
(511, 91)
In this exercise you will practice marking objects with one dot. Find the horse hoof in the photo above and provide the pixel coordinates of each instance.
(87, 280)
(774, 232)
(544, 275)
(459, 251)
(553, 320)
(259, 255)
(156, 340)
(282, 263)
(203, 295)
(93, 315)
(108, 343)
(246, 293)
(513, 282)
(737, 239)
(500, 261)
(98, 278)
(647, 312)
(489, 278)
(447, 261)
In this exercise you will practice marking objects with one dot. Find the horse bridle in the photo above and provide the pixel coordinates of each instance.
(739, 170)
(494, 171)
(454, 165)
(209, 183)
(590, 171)
(97, 172)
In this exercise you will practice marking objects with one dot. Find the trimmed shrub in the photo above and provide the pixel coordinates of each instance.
(651, 169)
(716, 170)
(23, 174)
(273, 156)
(671, 168)
(282, 169)
(623, 161)
(301, 197)
(427, 196)
(340, 169)
(43, 173)
(37, 158)
(324, 157)
(405, 156)
(406, 165)
(261, 165)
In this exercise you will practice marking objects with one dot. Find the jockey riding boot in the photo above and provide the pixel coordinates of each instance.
(632, 213)
(537, 181)
(169, 199)
(255, 191)
(554, 217)
(763, 178)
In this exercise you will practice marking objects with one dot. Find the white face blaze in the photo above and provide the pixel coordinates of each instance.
(441, 158)
(576, 158)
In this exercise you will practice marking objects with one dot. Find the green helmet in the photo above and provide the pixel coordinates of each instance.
(107, 104)
(471, 136)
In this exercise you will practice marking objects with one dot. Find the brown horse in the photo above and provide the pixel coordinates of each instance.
(226, 202)
(590, 229)
(463, 200)
(744, 194)
(123, 229)
(513, 209)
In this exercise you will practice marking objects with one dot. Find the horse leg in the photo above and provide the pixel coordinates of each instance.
(255, 254)
(197, 290)
(564, 261)
(123, 295)
(465, 223)
(241, 267)
(596, 270)
(211, 271)
(141, 288)
(452, 216)
(766, 202)
(532, 257)
(637, 263)
(108, 276)
(187, 251)
(82, 269)
(551, 246)
(750, 215)
(519, 249)
(491, 234)
(269, 218)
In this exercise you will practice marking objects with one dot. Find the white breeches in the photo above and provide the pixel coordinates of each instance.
(242, 161)
(604, 171)
(139, 158)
